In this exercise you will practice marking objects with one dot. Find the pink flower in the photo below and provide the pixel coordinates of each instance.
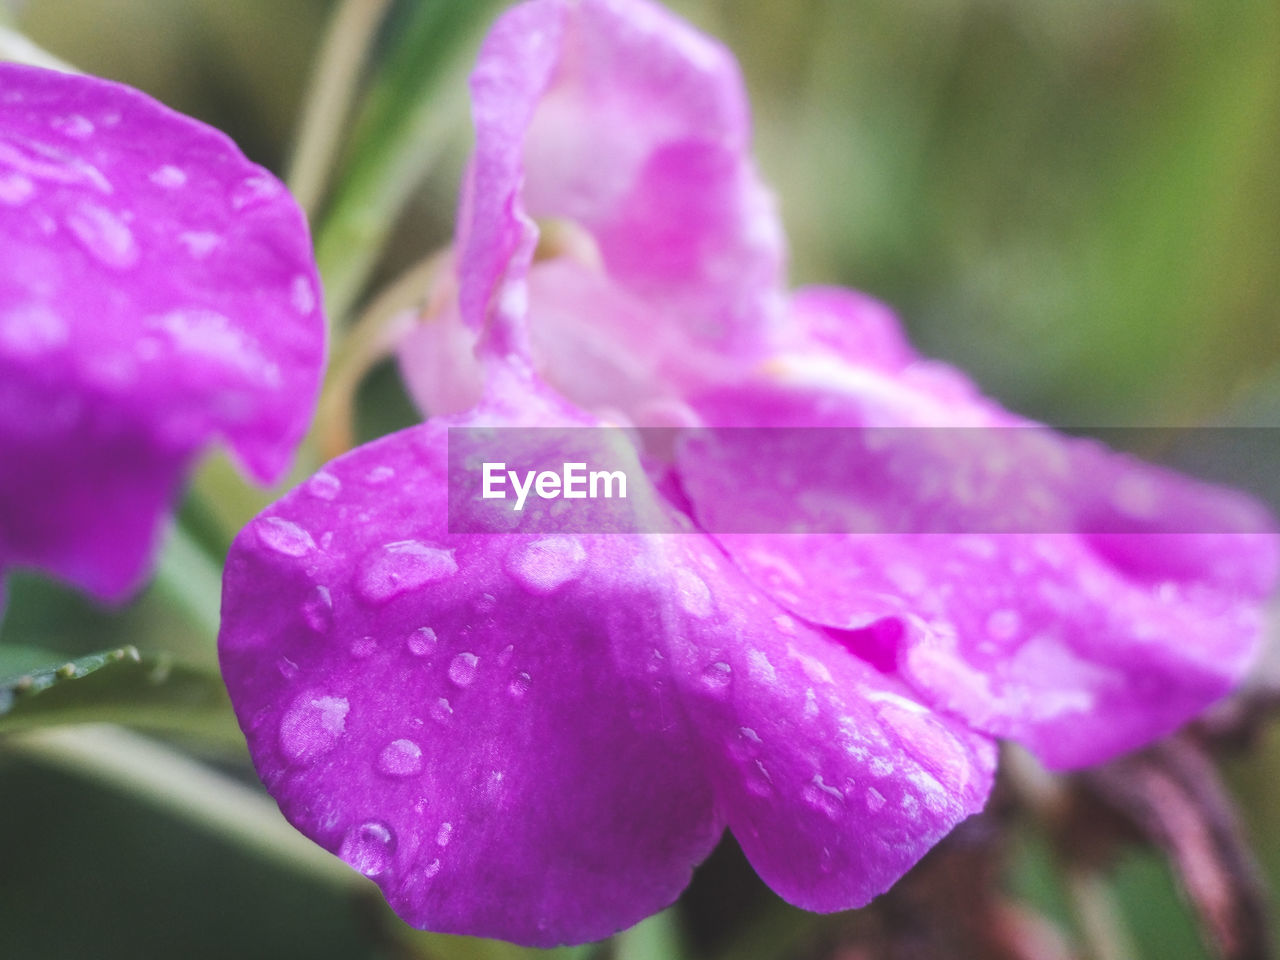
(158, 292)
(538, 736)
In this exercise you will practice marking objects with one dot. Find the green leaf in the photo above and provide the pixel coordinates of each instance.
(123, 686)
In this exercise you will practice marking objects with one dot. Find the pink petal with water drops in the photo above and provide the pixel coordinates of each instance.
(1007, 573)
(538, 736)
(159, 292)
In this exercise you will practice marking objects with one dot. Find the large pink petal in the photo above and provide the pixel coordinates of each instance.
(158, 292)
(623, 122)
(1040, 587)
(538, 736)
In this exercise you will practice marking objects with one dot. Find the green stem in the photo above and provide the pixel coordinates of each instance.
(657, 938)
(416, 102)
(191, 582)
(16, 48)
(342, 57)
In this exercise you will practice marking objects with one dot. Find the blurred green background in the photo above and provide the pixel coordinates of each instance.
(1077, 202)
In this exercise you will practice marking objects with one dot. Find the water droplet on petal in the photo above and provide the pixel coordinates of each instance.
(829, 800)
(443, 834)
(318, 610)
(312, 727)
(285, 537)
(302, 296)
(716, 677)
(693, 594)
(28, 331)
(288, 669)
(421, 642)
(520, 685)
(400, 758)
(324, 486)
(368, 848)
(254, 190)
(104, 235)
(875, 800)
(168, 176)
(393, 569)
(785, 624)
(545, 565)
(759, 782)
(379, 475)
(441, 710)
(1004, 624)
(462, 669)
(75, 126)
(15, 189)
(199, 243)
(431, 869)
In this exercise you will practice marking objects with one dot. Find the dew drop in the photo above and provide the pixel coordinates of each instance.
(104, 235)
(785, 624)
(199, 243)
(312, 727)
(441, 710)
(1004, 625)
(15, 189)
(431, 869)
(829, 800)
(716, 677)
(910, 806)
(368, 848)
(400, 758)
(75, 126)
(520, 685)
(545, 565)
(31, 330)
(693, 594)
(302, 296)
(317, 610)
(444, 834)
(288, 669)
(875, 800)
(395, 568)
(254, 190)
(462, 669)
(421, 642)
(324, 486)
(379, 475)
(285, 537)
(168, 176)
(759, 782)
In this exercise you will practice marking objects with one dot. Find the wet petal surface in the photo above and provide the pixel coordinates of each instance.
(159, 292)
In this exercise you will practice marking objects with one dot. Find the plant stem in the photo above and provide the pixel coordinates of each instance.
(15, 47)
(342, 57)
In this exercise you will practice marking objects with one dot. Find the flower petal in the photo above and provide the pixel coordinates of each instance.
(159, 291)
(620, 119)
(536, 737)
(466, 719)
(1040, 587)
(833, 777)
